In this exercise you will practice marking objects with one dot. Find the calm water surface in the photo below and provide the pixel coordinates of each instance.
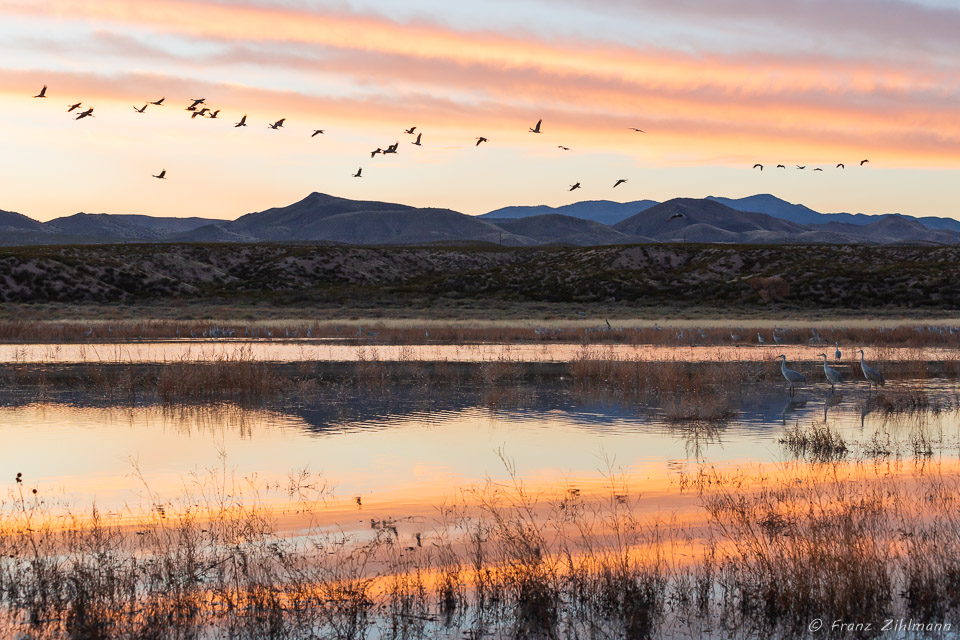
(394, 449)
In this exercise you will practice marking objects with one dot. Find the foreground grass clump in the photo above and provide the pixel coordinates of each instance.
(760, 555)
(818, 441)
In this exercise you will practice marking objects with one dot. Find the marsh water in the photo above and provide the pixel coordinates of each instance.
(395, 449)
(168, 351)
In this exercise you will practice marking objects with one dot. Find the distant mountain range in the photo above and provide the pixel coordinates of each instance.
(320, 218)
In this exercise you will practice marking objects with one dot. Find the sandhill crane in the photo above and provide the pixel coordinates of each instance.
(276, 125)
(841, 166)
(619, 182)
(141, 109)
(801, 167)
(73, 106)
(213, 114)
(536, 129)
(636, 130)
(316, 132)
(863, 162)
(793, 377)
(392, 148)
(481, 139)
(200, 113)
(873, 376)
(196, 101)
(376, 151)
(417, 141)
(833, 376)
(410, 130)
(781, 166)
(563, 148)
(818, 169)
(574, 186)
(242, 123)
(86, 114)
(162, 175)
(760, 339)
(43, 93)
(357, 174)
(758, 166)
(159, 102)
(836, 354)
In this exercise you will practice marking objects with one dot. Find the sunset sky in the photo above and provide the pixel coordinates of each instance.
(717, 85)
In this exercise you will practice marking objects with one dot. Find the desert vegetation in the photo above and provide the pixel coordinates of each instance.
(619, 278)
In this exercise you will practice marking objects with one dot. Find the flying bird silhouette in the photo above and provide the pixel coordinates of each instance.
(676, 215)
(141, 109)
(801, 167)
(619, 182)
(410, 130)
(196, 101)
(43, 93)
(481, 139)
(201, 113)
(86, 114)
(758, 165)
(376, 151)
(862, 162)
(780, 166)
(242, 123)
(637, 130)
(162, 175)
(392, 148)
(536, 129)
(574, 186)
(357, 174)
(841, 166)
(213, 114)
(560, 146)
(316, 132)
(417, 141)
(276, 125)
(159, 102)
(74, 106)
(818, 169)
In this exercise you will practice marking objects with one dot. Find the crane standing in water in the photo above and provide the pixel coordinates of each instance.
(873, 376)
(833, 376)
(793, 377)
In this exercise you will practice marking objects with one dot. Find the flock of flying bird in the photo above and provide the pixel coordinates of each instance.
(199, 111)
(801, 167)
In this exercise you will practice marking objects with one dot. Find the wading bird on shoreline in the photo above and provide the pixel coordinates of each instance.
(873, 376)
(43, 93)
(535, 129)
(833, 376)
(793, 377)
(836, 354)
(162, 175)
